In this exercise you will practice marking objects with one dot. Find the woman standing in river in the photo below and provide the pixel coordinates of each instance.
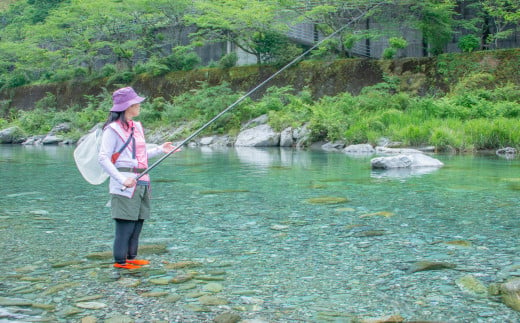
(123, 155)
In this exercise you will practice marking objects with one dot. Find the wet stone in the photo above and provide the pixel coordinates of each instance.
(129, 282)
(227, 317)
(47, 307)
(154, 294)
(161, 280)
(213, 287)
(88, 319)
(510, 292)
(173, 298)
(183, 264)
(119, 319)
(429, 265)
(181, 278)
(67, 263)
(210, 278)
(197, 308)
(187, 286)
(91, 305)
(472, 285)
(212, 300)
(6, 301)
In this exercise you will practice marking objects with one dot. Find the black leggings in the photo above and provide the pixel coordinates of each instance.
(126, 241)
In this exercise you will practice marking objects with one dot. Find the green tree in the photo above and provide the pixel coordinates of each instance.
(436, 21)
(332, 15)
(502, 16)
(256, 27)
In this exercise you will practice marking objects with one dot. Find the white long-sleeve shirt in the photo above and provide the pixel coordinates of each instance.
(113, 139)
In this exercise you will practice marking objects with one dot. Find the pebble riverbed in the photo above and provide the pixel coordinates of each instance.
(322, 240)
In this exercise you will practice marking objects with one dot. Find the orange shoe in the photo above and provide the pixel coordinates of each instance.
(139, 262)
(126, 266)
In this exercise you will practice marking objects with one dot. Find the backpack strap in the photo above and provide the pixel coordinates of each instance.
(131, 138)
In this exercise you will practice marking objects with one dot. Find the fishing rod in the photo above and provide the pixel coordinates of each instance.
(242, 98)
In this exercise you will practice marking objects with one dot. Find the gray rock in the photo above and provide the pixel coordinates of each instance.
(333, 146)
(256, 122)
(51, 140)
(286, 138)
(405, 161)
(359, 149)
(506, 151)
(259, 136)
(206, 141)
(33, 140)
(302, 136)
(12, 135)
(62, 127)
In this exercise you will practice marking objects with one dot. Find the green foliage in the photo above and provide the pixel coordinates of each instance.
(228, 60)
(183, 58)
(124, 77)
(35, 121)
(389, 53)
(327, 49)
(200, 105)
(48, 102)
(436, 20)
(397, 42)
(469, 43)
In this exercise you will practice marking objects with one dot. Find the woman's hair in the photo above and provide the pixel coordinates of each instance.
(117, 116)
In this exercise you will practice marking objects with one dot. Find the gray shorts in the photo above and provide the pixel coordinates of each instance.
(135, 208)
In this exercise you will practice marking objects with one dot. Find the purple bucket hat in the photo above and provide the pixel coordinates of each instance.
(124, 98)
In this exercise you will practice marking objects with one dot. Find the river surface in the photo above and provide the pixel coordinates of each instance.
(279, 235)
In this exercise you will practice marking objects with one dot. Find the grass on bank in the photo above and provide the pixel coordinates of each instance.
(477, 114)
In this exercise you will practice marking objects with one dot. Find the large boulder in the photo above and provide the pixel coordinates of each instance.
(12, 135)
(405, 161)
(286, 138)
(259, 136)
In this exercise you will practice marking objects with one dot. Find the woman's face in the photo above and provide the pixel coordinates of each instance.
(132, 111)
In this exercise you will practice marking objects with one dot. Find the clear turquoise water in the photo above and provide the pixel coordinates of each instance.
(247, 209)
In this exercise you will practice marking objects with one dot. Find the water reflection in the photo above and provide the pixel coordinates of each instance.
(401, 173)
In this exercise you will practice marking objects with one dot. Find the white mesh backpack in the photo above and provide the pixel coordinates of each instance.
(86, 157)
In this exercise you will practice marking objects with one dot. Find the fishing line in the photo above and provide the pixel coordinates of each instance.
(242, 98)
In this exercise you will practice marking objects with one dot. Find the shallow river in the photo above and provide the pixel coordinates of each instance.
(272, 235)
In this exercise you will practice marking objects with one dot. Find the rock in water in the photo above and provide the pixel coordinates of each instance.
(405, 161)
(429, 265)
(510, 292)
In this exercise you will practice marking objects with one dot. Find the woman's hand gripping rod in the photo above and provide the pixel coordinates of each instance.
(242, 98)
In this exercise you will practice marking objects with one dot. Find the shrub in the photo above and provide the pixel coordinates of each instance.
(228, 60)
(121, 78)
(397, 42)
(183, 58)
(47, 102)
(16, 79)
(445, 138)
(389, 53)
(468, 43)
(152, 112)
(108, 70)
